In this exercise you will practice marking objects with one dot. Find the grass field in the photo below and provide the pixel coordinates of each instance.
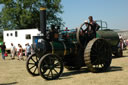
(13, 72)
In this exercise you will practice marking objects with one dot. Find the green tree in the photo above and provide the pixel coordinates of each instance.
(24, 14)
(1, 37)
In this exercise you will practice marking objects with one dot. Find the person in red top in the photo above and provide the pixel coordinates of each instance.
(20, 52)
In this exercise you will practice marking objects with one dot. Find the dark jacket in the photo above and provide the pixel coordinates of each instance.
(3, 48)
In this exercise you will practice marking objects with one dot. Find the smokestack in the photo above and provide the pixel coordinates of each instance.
(43, 20)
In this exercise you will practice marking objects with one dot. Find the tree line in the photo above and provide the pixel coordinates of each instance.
(24, 14)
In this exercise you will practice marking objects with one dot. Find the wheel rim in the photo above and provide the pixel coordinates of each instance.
(32, 65)
(50, 67)
(98, 55)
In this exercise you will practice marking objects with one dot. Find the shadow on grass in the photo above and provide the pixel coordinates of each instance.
(114, 57)
(115, 68)
(85, 70)
(75, 72)
(9, 83)
(111, 69)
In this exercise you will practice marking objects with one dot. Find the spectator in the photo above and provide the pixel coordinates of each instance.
(13, 51)
(20, 53)
(25, 49)
(3, 49)
(28, 49)
(17, 51)
(6, 54)
(127, 42)
(121, 44)
(120, 36)
(125, 45)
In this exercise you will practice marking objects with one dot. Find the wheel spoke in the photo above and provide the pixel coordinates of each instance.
(35, 70)
(43, 70)
(55, 71)
(32, 67)
(57, 64)
(37, 58)
(32, 63)
(51, 73)
(32, 59)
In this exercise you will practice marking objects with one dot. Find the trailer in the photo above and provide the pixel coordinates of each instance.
(19, 37)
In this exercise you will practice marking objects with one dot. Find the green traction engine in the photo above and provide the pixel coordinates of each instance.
(72, 49)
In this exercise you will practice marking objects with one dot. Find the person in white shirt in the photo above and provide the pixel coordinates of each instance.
(13, 51)
(28, 50)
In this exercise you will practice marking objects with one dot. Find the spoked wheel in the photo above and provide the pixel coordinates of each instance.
(98, 55)
(50, 67)
(32, 65)
(81, 34)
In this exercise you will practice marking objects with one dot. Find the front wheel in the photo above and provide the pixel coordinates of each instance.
(32, 65)
(50, 67)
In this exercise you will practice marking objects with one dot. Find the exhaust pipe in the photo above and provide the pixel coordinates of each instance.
(43, 21)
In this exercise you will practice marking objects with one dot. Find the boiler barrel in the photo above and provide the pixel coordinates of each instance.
(111, 36)
(62, 48)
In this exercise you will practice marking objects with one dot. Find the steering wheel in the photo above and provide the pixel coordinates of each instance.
(82, 33)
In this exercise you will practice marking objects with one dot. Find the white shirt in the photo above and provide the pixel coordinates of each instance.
(12, 48)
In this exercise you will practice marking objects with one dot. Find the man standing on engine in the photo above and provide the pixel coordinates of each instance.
(94, 24)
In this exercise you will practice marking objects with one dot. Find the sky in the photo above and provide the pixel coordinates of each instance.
(114, 12)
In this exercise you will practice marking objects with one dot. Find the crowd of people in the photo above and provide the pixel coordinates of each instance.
(16, 52)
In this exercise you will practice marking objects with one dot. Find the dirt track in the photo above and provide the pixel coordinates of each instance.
(13, 72)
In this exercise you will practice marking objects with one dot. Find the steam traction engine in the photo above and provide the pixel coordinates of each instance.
(70, 49)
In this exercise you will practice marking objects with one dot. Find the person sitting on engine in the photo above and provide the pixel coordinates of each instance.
(51, 32)
(54, 33)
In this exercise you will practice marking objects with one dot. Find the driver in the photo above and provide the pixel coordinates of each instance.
(93, 23)
(92, 27)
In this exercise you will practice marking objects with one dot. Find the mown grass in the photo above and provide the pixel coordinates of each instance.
(13, 72)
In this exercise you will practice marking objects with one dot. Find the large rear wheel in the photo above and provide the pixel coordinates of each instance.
(98, 55)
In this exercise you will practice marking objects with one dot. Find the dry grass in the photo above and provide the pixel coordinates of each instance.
(13, 72)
